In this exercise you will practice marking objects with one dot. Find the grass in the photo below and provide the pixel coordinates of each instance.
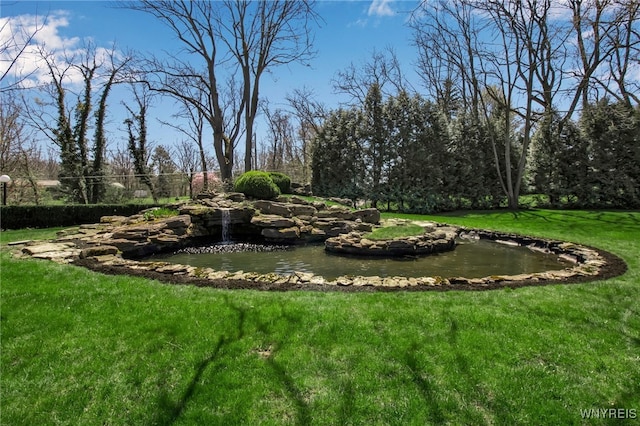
(160, 213)
(28, 234)
(395, 231)
(84, 348)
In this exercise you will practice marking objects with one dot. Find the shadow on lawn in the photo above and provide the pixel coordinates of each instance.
(169, 411)
(631, 218)
(287, 382)
(425, 386)
(629, 221)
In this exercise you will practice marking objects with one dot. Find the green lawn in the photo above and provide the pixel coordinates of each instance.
(83, 348)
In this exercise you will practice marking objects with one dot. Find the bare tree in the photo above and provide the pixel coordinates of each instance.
(283, 152)
(383, 70)
(20, 156)
(137, 138)
(309, 111)
(260, 36)
(115, 70)
(622, 43)
(226, 36)
(13, 45)
(193, 129)
(523, 59)
(81, 163)
(121, 168)
(187, 162)
(194, 25)
(310, 114)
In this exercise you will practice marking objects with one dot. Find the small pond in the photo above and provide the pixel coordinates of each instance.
(470, 259)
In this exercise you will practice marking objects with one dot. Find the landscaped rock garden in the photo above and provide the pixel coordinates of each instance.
(117, 244)
(435, 239)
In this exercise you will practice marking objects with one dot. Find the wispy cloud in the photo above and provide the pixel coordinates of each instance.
(381, 8)
(27, 37)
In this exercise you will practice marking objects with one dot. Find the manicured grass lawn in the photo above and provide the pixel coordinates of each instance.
(84, 348)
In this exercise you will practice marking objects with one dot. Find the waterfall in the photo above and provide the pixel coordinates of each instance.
(226, 222)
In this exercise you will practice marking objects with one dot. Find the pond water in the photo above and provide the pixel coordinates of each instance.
(470, 259)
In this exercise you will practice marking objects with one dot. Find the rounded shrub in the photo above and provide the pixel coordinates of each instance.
(256, 184)
(283, 181)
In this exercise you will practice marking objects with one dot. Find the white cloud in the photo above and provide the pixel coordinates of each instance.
(24, 37)
(381, 8)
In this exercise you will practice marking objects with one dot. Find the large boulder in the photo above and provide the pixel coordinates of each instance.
(281, 234)
(368, 215)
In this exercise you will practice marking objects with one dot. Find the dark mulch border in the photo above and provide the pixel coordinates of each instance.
(615, 267)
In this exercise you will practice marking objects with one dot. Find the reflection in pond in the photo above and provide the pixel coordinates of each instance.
(470, 259)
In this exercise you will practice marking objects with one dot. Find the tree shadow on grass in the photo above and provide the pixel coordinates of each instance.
(624, 219)
(169, 410)
(283, 377)
(292, 390)
(629, 221)
(424, 385)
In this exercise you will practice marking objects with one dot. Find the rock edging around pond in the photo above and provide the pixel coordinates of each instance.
(589, 264)
(92, 246)
(435, 239)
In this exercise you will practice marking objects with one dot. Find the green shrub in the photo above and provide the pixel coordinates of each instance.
(257, 184)
(283, 181)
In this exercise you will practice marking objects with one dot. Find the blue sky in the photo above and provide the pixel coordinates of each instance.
(349, 34)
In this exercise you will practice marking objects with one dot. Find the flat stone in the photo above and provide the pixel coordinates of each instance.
(47, 247)
(180, 221)
(272, 221)
(113, 219)
(273, 207)
(173, 269)
(63, 255)
(19, 243)
(297, 200)
(302, 210)
(304, 277)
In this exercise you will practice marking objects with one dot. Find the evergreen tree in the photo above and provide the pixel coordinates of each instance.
(337, 165)
(613, 134)
(375, 144)
(166, 170)
(560, 162)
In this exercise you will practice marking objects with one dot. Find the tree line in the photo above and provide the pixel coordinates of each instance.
(405, 153)
(514, 91)
(227, 47)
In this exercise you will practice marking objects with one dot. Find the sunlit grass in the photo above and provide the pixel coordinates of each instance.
(84, 348)
(28, 234)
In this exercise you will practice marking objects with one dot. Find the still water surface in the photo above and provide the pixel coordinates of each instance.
(470, 259)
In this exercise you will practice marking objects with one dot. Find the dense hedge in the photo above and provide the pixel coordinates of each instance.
(18, 217)
(257, 184)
